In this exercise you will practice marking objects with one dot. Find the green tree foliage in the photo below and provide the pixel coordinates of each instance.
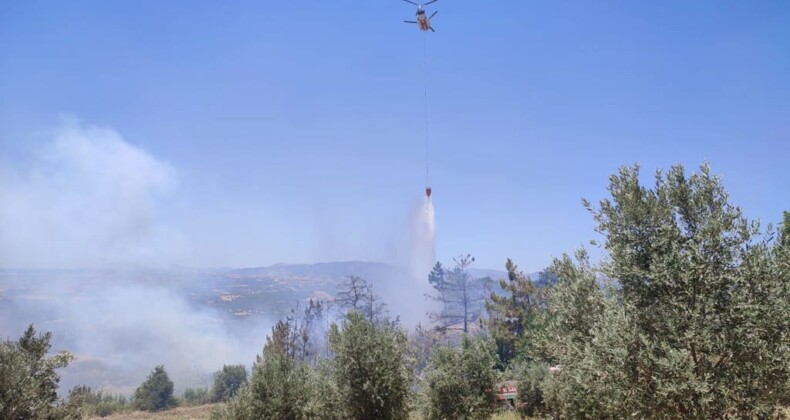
(28, 378)
(459, 383)
(422, 341)
(198, 396)
(575, 306)
(98, 403)
(699, 328)
(227, 382)
(529, 377)
(156, 393)
(436, 276)
(514, 318)
(282, 385)
(460, 294)
(370, 368)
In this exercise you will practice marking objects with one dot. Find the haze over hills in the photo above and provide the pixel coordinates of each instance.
(121, 322)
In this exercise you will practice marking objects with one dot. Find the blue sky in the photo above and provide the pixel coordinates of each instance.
(293, 131)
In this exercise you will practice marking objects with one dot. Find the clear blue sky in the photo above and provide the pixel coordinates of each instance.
(294, 129)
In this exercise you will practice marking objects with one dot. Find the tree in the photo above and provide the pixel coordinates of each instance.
(282, 385)
(28, 378)
(356, 294)
(97, 403)
(460, 295)
(459, 383)
(422, 341)
(227, 382)
(436, 276)
(698, 328)
(199, 396)
(530, 377)
(575, 307)
(514, 318)
(156, 393)
(370, 368)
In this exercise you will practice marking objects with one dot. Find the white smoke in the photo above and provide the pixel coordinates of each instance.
(87, 198)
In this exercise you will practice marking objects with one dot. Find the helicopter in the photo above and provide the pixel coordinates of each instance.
(423, 21)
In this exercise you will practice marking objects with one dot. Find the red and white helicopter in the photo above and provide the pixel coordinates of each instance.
(423, 20)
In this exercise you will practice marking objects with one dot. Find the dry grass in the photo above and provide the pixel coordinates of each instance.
(506, 416)
(179, 413)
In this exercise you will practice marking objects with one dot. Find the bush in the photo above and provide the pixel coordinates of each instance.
(98, 403)
(697, 328)
(227, 382)
(370, 368)
(459, 383)
(28, 381)
(282, 386)
(156, 393)
(197, 396)
(529, 377)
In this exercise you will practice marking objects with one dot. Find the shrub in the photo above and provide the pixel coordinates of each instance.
(227, 382)
(28, 381)
(459, 383)
(529, 377)
(698, 327)
(370, 368)
(197, 396)
(98, 403)
(156, 393)
(282, 386)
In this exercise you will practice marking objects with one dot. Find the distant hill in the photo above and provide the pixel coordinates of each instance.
(331, 272)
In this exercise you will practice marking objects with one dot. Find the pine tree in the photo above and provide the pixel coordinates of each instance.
(514, 317)
(156, 393)
(461, 296)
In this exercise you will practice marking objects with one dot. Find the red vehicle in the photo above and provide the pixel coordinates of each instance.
(506, 392)
(423, 21)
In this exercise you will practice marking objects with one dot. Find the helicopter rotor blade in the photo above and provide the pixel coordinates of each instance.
(409, 1)
(432, 30)
(432, 1)
(409, 21)
(434, 14)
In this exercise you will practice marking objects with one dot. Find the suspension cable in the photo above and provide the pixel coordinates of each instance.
(425, 71)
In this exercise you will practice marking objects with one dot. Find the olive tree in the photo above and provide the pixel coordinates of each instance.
(28, 378)
(699, 324)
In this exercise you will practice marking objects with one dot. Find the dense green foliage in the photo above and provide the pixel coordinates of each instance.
(98, 403)
(530, 377)
(156, 393)
(687, 317)
(282, 385)
(227, 382)
(699, 328)
(196, 396)
(459, 383)
(514, 317)
(28, 380)
(370, 368)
